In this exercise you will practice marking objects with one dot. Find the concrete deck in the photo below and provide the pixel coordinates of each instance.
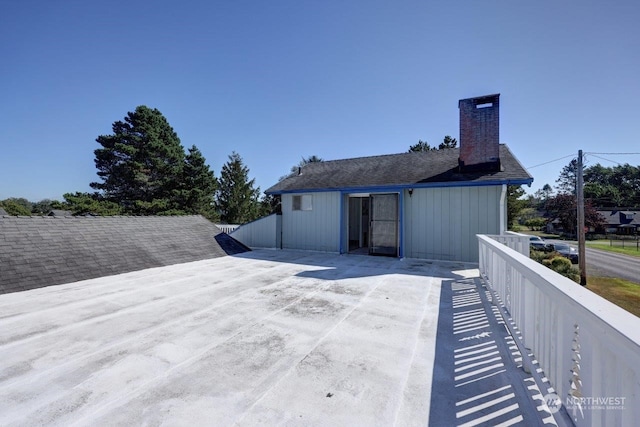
(264, 338)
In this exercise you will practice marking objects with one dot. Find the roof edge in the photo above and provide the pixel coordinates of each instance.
(396, 187)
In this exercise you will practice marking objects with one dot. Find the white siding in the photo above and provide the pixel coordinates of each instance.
(317, 229)
(442, 223)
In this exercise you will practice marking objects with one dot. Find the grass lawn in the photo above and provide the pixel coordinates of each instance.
(604, 245)
(621, 292)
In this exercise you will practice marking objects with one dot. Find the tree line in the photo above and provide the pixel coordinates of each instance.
(144, 169)
(604, 188)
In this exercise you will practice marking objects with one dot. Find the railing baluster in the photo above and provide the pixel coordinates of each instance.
(587, 347)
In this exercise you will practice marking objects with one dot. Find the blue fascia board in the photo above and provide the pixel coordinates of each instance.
(397, 187)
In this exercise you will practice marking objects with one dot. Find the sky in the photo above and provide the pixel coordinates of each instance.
(279, 80)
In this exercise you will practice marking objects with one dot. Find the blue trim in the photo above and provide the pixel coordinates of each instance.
(399, 187)
(342, 224)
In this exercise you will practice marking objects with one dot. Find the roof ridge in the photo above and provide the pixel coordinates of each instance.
(408, 153)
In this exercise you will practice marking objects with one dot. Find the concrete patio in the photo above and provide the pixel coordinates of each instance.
(265, 338)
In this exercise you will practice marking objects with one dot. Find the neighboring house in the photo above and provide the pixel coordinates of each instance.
(621, 221)
(419, 205)
(60, 212)
(3, 212)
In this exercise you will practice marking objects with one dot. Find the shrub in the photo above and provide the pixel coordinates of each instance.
(557, 263)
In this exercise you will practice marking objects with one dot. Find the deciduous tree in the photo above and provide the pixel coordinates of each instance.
(16, 206)
(564, 208)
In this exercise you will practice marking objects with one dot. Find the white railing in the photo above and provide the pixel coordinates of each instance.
(588, 348)
(516, 241)
(227, 228)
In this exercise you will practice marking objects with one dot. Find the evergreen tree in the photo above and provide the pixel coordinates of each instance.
(568, 178)
(90, 204)
(199, 185)
(448, 142)
(514, 203)
(141, 164)
(237, 199)
(421, 146)
(43, 207)
(295, 168)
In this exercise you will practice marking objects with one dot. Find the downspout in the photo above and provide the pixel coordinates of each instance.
(342, 224)
(503, 209)
(401, 224)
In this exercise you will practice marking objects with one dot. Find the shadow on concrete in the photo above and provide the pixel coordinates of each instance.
(478, 377)
(329, 266)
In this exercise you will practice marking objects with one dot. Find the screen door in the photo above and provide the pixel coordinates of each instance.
(384, 224)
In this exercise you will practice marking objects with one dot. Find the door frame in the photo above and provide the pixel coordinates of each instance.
(346, 211)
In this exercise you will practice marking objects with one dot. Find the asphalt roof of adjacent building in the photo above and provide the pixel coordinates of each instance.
(417, 169)
(621, 217)
(43, 251)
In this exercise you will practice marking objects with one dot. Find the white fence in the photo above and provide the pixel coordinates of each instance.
(227, 228)
(588, 348)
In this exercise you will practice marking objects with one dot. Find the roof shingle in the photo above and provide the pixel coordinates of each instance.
(42, 251)
(415, 169)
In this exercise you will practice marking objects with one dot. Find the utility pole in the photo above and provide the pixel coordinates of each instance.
(582, 265)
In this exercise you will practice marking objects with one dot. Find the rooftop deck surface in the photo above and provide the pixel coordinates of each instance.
(264, 338)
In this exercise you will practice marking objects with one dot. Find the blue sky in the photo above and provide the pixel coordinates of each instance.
(277, 80)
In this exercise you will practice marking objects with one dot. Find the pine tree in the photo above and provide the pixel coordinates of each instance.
(237, 199)
(448, 142)
(199, 185)
(141, 164)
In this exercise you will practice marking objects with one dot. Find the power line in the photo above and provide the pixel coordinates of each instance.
(615, 154)
(608, 160)
(551, 161)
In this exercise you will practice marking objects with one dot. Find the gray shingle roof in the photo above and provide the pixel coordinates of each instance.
(405, 169)
(617, 217)
(43, 251)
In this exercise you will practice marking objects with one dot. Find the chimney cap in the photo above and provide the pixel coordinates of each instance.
(481, 99)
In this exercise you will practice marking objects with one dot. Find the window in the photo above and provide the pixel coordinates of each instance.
(302, 203)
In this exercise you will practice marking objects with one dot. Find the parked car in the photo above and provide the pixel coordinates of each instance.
(566, 251)
(538, 244)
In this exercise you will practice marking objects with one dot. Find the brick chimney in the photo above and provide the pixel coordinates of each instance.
(480, 133)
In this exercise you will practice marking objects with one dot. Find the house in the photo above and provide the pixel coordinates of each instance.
(418, 205)
(621, 221)
(59, 212)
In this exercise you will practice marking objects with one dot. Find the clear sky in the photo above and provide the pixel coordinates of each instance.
(277, 80)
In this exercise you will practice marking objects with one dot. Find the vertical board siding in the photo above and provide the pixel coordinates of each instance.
(442, 223)
(317, 229)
